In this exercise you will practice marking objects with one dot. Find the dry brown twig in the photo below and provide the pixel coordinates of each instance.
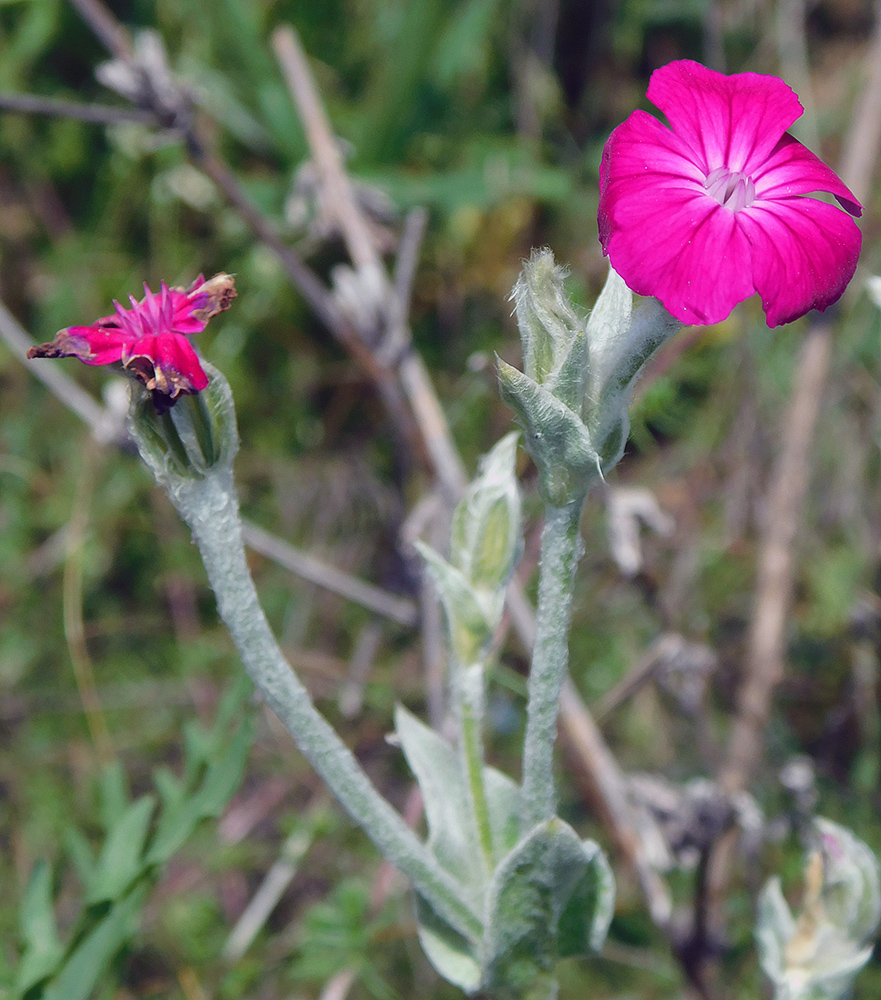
(380, 305)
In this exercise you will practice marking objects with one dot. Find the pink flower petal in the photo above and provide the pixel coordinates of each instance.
(689, 253)
(792, 169)
(644, 160)
(93, 345)
(733, 121)
(166, 363)
(182, 307)
(662, 232)
(804, 253)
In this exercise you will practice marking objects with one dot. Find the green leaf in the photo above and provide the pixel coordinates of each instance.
(113, 794)
(467, 623)
(39, 931)
(554, 435)
(88, 963)
(455, 957)
(182, 813)
(452, 835)
(170, 788)
(80, 853)
(121, 859)
(454, 841)
(464, 47)
(551, 897)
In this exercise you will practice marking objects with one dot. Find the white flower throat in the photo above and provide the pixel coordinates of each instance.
(733, 190)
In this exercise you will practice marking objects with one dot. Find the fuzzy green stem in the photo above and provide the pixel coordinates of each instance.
(560, 552)
(210, 508)
(470, 684)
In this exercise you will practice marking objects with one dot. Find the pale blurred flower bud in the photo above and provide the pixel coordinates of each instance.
(552, 336)
(486, 532)
(817, 955)
(484, 547)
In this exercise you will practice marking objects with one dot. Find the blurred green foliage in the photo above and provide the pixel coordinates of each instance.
(492, 114)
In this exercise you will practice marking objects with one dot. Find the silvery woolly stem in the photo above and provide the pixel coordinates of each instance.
(200, 484)
(560, 552)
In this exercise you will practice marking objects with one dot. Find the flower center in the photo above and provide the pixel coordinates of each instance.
(731, 189)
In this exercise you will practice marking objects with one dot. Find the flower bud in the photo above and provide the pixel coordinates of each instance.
(552, 336)
(817, 955)
(485, 534)
(620, 343)
(194, 438)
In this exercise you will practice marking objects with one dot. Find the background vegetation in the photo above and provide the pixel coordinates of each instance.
(492, 114)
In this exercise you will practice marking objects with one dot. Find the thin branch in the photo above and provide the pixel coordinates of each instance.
(399, 609)
(72, 603)
(410, 377)
(605, 785)
(792, 49)
(397, 340)
(99, 114)
(274, 883)
(62, 386)
(301, 275)
(646, 668)
(325, 149)
(114, 37)
(409, 248)
(863, 139)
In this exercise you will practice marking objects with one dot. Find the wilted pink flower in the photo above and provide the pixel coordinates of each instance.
(150, 339)
(706, 212)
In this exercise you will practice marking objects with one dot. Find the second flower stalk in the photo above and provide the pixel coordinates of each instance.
(504, 888)
(572, 400)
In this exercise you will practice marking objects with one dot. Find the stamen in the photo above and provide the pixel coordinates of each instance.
(733, 190)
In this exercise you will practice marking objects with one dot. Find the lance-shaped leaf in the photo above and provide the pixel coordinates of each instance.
(453, 839)
(555, 436)
(620, 343)
(87, 964)
(552, 897)
(43, 949)
(120, 861)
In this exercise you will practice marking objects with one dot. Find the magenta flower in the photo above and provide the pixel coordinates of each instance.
(706, 212)
(150, 339)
